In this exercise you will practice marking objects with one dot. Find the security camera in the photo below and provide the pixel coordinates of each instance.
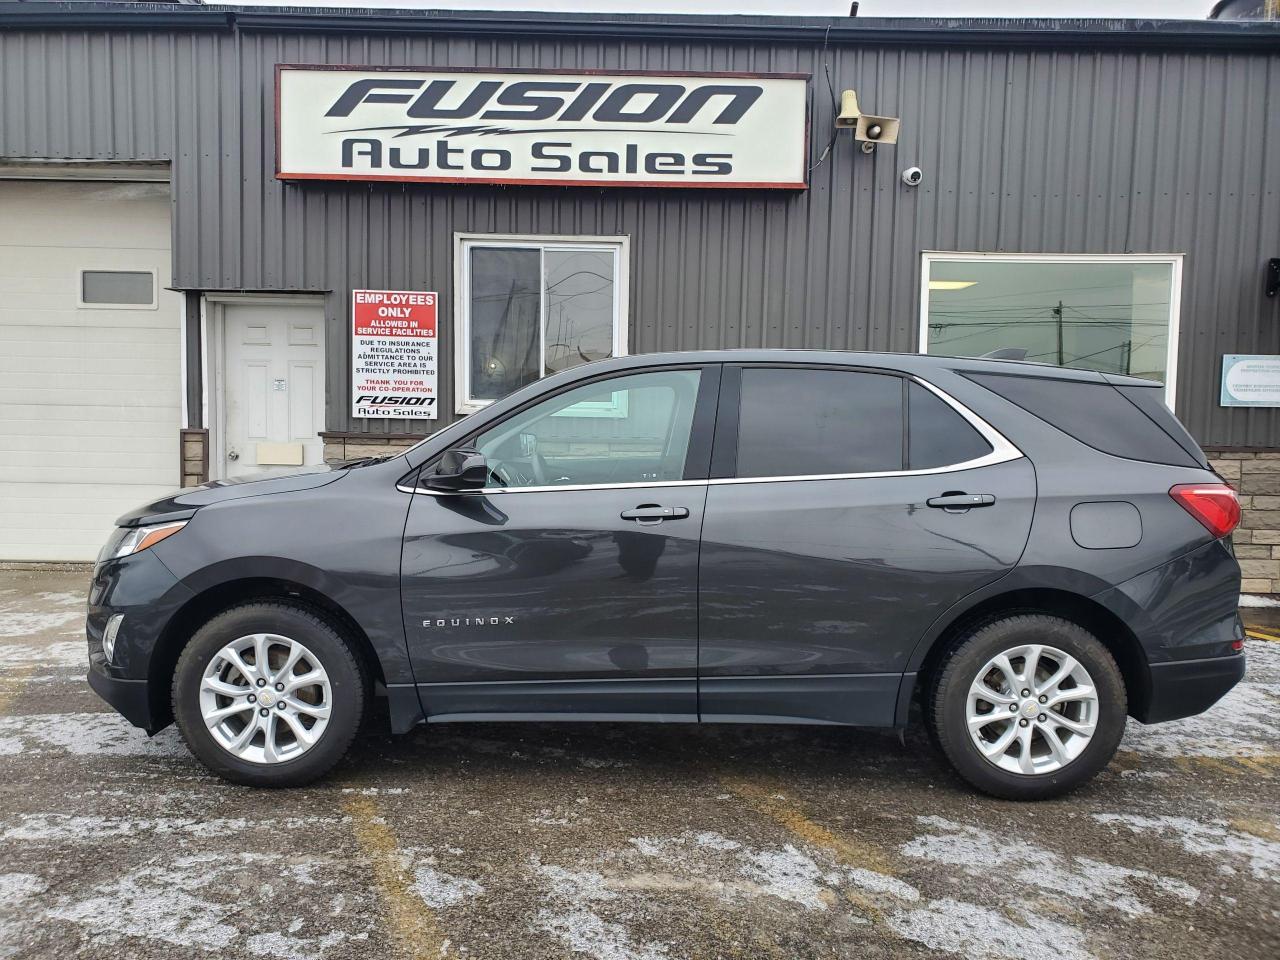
(912, 176)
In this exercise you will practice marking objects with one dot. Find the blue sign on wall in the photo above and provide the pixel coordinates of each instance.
(1250, 380)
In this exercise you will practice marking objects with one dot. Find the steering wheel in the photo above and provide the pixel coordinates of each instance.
(506, 474)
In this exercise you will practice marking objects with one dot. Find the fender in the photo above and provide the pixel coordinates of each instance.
(1060, 579)
(388, 646)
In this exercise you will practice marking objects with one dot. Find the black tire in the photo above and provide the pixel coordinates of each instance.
(946, 704)
(347, 678)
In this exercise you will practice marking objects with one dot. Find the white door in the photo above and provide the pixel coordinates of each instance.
(273, 392)
(90, 354)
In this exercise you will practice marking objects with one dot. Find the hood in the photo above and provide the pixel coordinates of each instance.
(183, 503)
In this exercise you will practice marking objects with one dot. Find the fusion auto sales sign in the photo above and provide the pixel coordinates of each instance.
(393, 353)
(546, 127)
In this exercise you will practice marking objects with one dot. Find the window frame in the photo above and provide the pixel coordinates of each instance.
(464, 243)
(724, 458)
(1174, 260)
(83, 304)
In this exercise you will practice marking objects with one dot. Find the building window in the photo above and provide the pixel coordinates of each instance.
(117, 288)
(532, 306)
(1115, 314)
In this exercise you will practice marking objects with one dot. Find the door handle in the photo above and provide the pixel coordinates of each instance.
(650, 513)
(961, 501)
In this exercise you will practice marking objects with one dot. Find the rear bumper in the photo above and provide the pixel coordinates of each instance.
(130, 698)
(1187, 687)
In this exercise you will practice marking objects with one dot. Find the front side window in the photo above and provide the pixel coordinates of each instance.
(1115, 314)
(530, 307)
(564, 440)
(794, 422)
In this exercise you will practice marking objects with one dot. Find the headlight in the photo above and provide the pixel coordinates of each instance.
(131, 540)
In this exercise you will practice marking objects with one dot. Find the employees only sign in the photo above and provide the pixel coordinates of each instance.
(393, 353)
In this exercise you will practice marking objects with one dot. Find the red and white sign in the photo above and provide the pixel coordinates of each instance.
(393, 353)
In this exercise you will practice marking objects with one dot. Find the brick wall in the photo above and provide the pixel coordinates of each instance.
(338, 447)
(195, 456)
(1256, 477)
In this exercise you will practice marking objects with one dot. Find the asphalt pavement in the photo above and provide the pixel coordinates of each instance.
(618, 842)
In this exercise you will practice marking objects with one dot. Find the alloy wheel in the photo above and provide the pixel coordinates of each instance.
(1032, 709)
(265, 698)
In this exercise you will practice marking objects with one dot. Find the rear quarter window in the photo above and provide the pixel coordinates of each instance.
(937, 435)
(1096, 414)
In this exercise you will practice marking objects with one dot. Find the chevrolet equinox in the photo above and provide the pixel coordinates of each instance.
(1030, 554)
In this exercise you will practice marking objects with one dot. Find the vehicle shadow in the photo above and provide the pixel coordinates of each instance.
(652, 753)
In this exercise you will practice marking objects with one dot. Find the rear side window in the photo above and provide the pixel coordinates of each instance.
(1096, 414)
(1150, 400)
(937, 435)
(795, 422)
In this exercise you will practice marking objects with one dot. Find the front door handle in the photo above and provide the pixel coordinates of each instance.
(961, 501)
(652, 513)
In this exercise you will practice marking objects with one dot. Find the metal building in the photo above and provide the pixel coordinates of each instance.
(188, 206)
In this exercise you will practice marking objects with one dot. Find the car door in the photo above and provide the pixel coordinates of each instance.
(847, 509)
(567, 588)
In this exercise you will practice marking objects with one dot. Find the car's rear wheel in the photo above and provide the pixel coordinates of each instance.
(268, 694)
(1028, 707)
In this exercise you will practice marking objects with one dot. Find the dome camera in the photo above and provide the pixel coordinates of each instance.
(912, 176)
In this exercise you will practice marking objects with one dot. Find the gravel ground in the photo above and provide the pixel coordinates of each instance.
(616, 842)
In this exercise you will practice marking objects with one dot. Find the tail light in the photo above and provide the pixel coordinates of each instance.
(1213, 504)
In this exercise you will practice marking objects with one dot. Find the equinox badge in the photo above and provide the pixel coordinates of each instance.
(469, 622)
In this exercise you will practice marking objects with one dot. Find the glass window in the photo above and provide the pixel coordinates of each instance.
(1115, 315)
(532, 308)
(117, 287)
(565, 440)
(938, 436)
(1096, 414)
(795, 422)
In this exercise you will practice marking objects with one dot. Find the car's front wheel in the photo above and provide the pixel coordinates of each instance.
(268, 694)
(1028, 707)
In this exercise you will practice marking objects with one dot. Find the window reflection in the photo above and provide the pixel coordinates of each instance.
(1108, 316)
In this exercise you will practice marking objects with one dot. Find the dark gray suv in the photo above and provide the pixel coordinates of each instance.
(1030, 554)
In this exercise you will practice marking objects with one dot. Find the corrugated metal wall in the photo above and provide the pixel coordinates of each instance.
(1023, 150)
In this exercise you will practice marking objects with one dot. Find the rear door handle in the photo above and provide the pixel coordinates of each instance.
(961, 501)
(652, 513)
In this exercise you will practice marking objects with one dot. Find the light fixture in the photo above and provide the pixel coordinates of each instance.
(109, 636)
(950, 284)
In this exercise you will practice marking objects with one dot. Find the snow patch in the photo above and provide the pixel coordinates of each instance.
(1211, 839)
(84, 734)
(980, 933)
(1254, 600)
(196, 902)
(64, 653)
(439, 889)
(789, 875)
(159, 903)
(575, 923)
(26, 623)
(983, 855)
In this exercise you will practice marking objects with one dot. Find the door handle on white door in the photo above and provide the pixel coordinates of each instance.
(233, 455)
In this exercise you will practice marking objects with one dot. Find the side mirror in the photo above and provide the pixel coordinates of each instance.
(459, 469)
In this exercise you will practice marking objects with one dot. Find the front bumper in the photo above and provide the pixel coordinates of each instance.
(130, 698)
(1184, 688)
(142, 589)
